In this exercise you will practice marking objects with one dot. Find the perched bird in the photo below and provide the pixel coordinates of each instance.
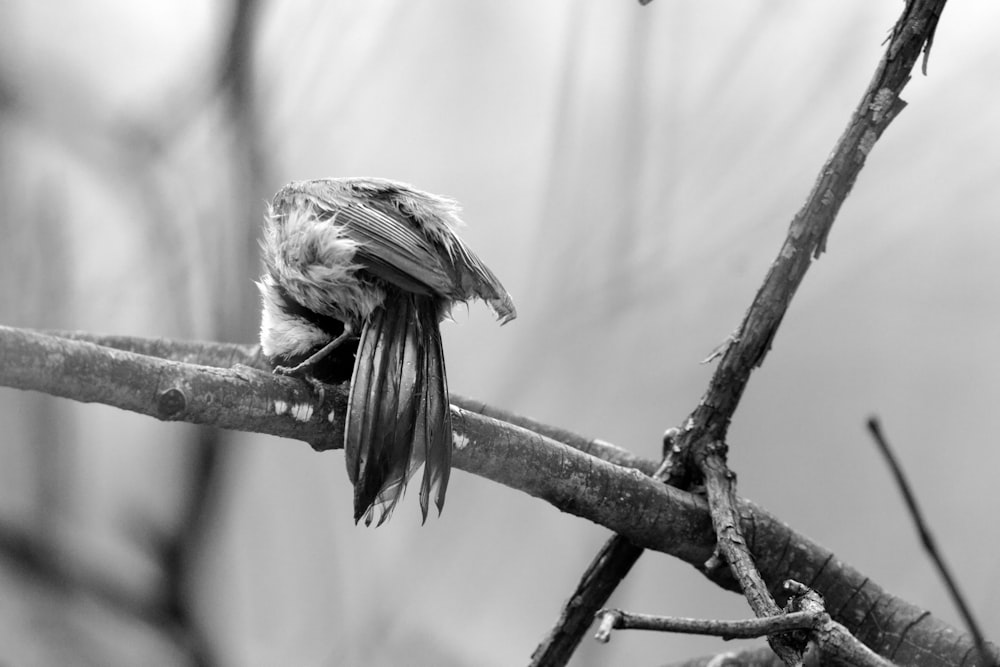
(372, 266)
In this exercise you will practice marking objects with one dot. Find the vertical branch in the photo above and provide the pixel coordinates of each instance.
(179, 553)
(234, 312)
(237, 305)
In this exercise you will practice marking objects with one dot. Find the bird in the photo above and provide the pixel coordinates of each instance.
(368, 268)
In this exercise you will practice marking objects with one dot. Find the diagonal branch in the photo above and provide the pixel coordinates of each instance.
(720, 487)
(809, 229)
(927, 538)
(805, 241)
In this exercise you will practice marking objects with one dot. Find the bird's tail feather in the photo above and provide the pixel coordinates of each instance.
(434, 416)
(398, 412)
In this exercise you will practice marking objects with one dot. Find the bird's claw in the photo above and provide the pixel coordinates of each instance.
(302, 373)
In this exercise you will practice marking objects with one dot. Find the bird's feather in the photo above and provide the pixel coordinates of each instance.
(393, 251)
(398, 414)
(382, 258)
(405, 236)
(434, 421)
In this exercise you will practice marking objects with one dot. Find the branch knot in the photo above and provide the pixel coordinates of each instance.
(171, 403)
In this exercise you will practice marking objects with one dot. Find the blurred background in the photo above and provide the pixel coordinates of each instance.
(628, 172)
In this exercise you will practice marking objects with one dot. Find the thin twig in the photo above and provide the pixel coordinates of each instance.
(721, 492)
(750, 628)
(805, 619)
(927, 539)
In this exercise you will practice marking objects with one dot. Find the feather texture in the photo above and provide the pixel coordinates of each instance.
(398, 410)
(382, 260)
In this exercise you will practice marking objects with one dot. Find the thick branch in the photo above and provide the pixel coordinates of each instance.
(644, 511)
(242, 398)
(229, 355)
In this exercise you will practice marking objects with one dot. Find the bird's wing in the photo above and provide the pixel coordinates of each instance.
(407, 237)
(392, 249)
(476, 279)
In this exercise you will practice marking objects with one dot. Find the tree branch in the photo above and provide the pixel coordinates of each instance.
(809, 229)
(806, 617)
(644, 511)
(751, 628)
(806, 239)
(720, 487)
(927, 539)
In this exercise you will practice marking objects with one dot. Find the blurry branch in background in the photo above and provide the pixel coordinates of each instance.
(36, 559)
(229, 386)
(927, 540)
(698, 453)
(134, 155)
(36, 550)
(50, 432)
(236, 306)
(233, 309)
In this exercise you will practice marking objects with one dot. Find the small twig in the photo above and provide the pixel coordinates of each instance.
(930, 545)
(719, 486)
(731, 544)
(750, 628)
(806, 618)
